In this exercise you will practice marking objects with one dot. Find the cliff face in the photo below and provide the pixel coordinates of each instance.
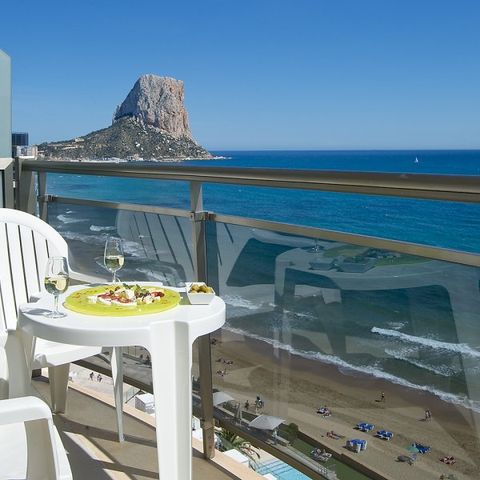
(157, 101)
(151, 123)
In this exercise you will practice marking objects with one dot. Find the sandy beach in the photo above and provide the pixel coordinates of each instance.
(294, 388)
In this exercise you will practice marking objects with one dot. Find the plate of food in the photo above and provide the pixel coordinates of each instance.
(122, 300)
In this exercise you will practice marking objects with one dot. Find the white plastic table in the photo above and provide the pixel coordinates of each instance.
(168, 336)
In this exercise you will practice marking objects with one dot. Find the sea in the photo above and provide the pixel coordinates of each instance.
(442, 359)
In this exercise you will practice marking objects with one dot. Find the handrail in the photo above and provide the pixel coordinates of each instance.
(459, 188)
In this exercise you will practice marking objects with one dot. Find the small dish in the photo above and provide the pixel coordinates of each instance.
(199, 298)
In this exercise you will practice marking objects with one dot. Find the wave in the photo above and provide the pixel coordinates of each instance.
(152, 275)
(64, 219)
(240, 302)
(363, 369)
(97, 228)
(429, 342)
(442, 370)
(130, 247)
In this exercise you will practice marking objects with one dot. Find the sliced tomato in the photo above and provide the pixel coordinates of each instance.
(105, 296)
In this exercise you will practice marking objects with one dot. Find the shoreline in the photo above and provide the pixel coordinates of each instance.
(294, 387)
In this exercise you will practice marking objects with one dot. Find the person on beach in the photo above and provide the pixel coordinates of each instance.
(324, 411)
(91, 376)
(428, 415)
(275, 436)
(247, 405)
(99, 378)
(259, 403)
(382, 397)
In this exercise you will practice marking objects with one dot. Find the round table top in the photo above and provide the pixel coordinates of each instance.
(89, 330)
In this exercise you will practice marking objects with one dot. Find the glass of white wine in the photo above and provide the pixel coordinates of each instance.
(56, 282)
(113, 257)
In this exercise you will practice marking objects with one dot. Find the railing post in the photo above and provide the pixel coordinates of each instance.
(204, 347)
(6, 183)
(25, 197)
(42, 196)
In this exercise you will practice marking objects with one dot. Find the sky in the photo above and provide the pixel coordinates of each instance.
(259, 74)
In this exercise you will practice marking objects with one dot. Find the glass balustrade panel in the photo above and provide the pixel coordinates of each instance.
(327, 336)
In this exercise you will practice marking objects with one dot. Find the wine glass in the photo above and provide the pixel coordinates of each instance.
(56, 282)
(113, 256)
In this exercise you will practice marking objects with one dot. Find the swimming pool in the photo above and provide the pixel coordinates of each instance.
(281, 470)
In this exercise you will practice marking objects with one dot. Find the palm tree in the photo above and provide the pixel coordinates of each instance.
(230, 440)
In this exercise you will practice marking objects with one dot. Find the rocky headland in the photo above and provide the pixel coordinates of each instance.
(150, 124)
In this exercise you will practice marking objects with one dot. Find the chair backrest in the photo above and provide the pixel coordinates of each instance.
(26, 243)
(164, 239)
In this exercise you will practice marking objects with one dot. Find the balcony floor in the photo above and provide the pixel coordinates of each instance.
(88, 431)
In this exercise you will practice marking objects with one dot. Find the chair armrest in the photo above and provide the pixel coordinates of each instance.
(24, 409)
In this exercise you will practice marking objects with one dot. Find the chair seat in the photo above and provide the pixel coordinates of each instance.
(13, 453)
(53, 354)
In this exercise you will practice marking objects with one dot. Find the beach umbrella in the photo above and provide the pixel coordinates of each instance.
(221, 397)
(266, 422)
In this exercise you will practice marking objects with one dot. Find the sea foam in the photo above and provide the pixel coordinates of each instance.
(428, 342)
(64, 219)
(98, 228)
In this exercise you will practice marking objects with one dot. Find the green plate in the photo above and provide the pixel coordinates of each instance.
(78, 302)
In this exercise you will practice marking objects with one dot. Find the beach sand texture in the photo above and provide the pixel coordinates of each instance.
(294, 388)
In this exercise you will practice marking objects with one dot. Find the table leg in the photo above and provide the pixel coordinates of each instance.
(116, 363)
(171, 355)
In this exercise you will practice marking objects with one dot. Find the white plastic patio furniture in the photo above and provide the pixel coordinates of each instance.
(168, 336)
(30, 447)
(26, 243)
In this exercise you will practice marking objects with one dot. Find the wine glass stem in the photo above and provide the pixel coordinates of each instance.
(55, 303)
(114, 279)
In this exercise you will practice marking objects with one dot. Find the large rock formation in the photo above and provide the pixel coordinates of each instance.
(150, 124)
(157, 101)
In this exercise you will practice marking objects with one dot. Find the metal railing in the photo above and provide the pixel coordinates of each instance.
(437, 187)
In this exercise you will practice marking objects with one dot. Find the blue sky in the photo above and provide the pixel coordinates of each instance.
(259, 74)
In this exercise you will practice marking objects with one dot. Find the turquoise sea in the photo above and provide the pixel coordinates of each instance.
(421, 332)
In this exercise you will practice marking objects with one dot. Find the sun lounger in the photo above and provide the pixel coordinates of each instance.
(421, 448)
(320, 455)
(365, 427)
(356, 445)
(384, 435)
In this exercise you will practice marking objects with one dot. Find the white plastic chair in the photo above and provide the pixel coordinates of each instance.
(26, 243)
(30, 447)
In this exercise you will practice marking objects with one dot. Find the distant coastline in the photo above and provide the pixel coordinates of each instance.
(123, 160)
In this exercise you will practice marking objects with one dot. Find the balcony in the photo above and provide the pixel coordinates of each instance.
(330, 328)
(88, 432)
